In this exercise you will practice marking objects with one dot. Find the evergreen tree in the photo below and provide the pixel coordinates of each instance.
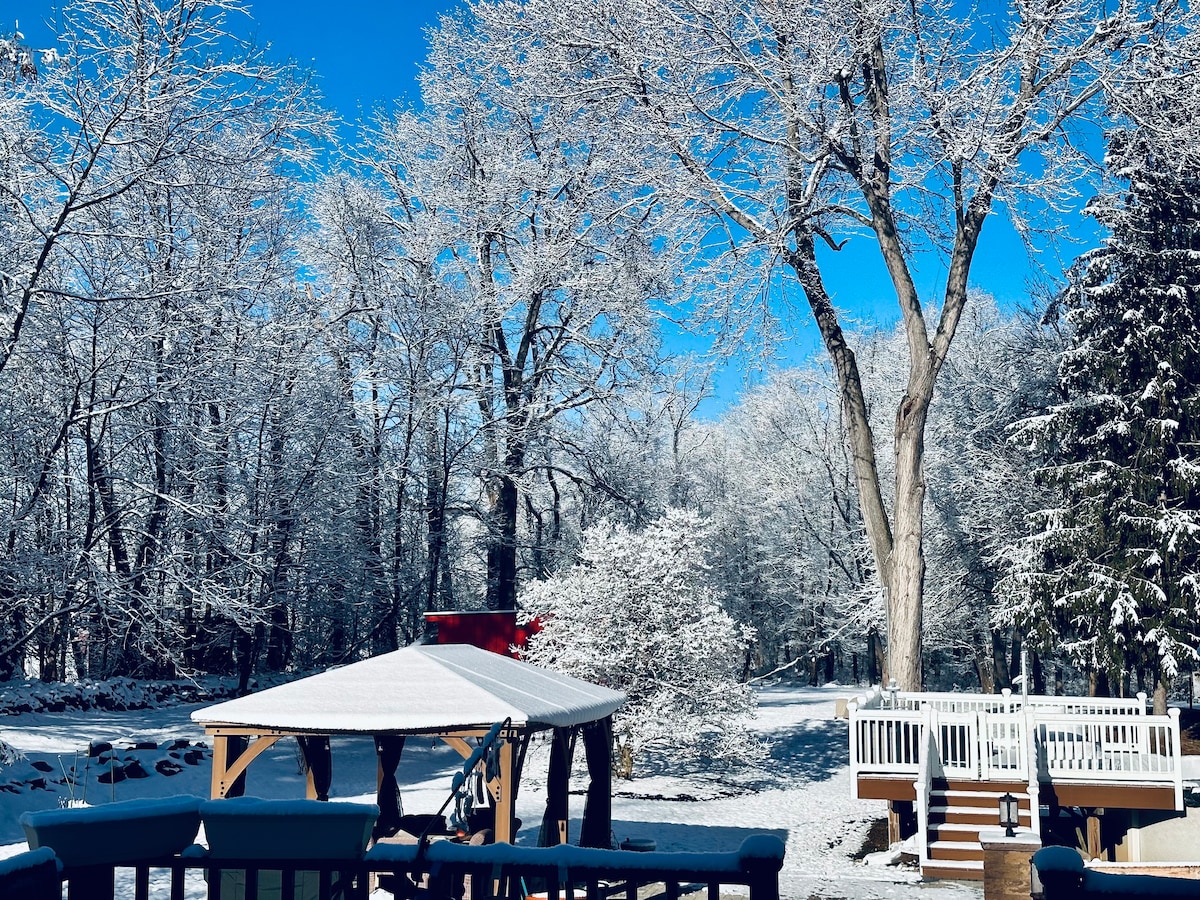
(1111, 574)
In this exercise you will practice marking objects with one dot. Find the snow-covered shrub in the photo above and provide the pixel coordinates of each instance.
(113, 693)
(9, 755)
(638, 613)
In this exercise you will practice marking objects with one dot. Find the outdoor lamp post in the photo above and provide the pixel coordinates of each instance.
(893, 689)
(1009, 809)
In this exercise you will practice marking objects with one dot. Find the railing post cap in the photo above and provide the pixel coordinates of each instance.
(1173, 712)
(762, 848)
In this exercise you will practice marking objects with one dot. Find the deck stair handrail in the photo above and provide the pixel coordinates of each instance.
(923, 786)
(1034, 789)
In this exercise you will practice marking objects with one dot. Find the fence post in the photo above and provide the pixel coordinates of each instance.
(852, 722)
(31, 876)
(761, 858)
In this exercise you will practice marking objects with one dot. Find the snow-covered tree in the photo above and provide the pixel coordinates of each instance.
(1112, 574)
(787, 128)
(638, 613)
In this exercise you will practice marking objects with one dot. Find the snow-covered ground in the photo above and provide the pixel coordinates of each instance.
(801, 792)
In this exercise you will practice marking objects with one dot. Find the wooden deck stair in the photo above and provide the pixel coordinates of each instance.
(958, 811)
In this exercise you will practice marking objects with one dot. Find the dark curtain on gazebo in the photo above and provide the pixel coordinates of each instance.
(557, 787)
(388, 747)
(318, 759)
(596, 830)
(235, 746)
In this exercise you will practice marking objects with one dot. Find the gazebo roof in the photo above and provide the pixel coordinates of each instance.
(420, 689)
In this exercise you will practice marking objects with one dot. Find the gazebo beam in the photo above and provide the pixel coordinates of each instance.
(505, 808)
(225, 774)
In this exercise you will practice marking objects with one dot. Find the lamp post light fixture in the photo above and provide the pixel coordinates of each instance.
(1009, 812)
(893, 689)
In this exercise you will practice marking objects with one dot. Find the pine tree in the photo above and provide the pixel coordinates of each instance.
(1113, 573)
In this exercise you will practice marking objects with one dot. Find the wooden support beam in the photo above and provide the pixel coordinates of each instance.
(225, 773)
(504, 802)
(1094, 847)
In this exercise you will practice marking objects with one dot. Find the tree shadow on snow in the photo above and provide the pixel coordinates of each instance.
(807, 751)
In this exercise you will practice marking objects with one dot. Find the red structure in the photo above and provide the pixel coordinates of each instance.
(492, 630)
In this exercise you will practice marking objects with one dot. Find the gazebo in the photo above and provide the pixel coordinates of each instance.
(454, 692)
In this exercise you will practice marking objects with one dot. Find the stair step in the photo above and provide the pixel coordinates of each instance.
(960, 869)
(957, 831)
(941, 850)
(970, 815)
(980, 796)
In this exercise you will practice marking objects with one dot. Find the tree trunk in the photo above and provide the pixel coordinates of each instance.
(502, 548)
(1162, 689)
(905, 583)
(1000, 662)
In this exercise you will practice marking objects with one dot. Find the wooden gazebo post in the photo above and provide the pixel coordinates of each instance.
(505, 808)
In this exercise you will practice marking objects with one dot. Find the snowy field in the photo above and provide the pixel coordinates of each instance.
(801, 792)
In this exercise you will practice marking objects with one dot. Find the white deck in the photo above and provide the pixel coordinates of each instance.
(1033, 740)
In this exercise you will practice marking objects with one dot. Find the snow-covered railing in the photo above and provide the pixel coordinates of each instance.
(954, 702)
(452, 870)
(1112, 748)
(871, 699)
(1005, 743)
(1063, 875)
(1091, 706)
(1052, 738)
(1006, 701)
(957, 737)
(886, 741)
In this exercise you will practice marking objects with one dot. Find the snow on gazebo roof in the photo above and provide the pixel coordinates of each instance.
(421, 688)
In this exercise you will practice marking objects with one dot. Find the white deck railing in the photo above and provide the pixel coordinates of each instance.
(1002, 737)
(886, 740)
(1006, 701)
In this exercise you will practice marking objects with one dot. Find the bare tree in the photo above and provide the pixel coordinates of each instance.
(790, 127)
(549, 255)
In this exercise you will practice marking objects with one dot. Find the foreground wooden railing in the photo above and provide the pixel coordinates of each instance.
(449, 871)
(1062, 875)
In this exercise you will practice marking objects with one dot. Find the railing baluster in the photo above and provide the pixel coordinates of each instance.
(141, 883)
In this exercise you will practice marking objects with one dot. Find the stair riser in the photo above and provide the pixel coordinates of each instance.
(958, 811)
(933, 871)
(964, 853)
(996, 787)
(965, 817)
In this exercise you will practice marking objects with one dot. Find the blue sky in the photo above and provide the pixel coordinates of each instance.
(367, 52)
